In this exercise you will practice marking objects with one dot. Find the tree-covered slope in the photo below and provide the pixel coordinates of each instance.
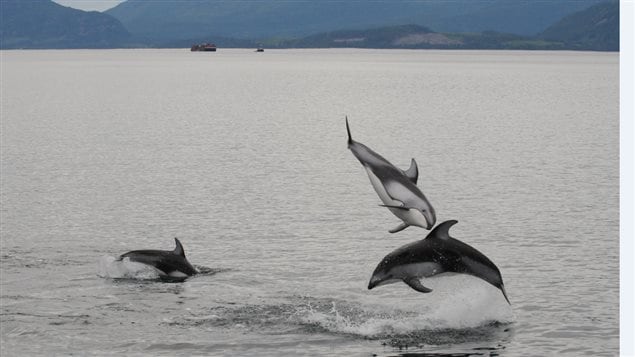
(45, 24)
(414, 37)
(595, 28)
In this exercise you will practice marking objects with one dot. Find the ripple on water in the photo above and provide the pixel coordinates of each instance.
(308, 315)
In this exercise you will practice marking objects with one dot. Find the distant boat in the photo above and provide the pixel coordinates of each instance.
(204, 47)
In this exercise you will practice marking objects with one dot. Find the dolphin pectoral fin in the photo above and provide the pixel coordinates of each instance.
(397, 207)
(399, 228)
(416, 284)
(413, 172)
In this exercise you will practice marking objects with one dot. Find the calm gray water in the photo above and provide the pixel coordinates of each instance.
(243, 156)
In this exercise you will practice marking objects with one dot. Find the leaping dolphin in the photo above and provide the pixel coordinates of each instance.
(435, 254)
(171, 264)
(397, 189)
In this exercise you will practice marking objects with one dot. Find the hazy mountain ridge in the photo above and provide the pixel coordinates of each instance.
(172, 20)
(45, 24)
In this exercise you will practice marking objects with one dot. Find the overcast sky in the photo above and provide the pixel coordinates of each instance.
(90, 5)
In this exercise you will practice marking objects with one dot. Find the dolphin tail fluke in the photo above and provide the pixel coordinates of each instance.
(416, 284)
(179, 248)
(505, 294)
(399, 228)
(348, 130)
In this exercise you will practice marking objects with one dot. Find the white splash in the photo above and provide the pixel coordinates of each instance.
(110, 267)
(465, 308)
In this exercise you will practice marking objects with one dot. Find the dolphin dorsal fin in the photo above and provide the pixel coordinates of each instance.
(179, 248)
(442, 231)
(348, 130)
(413, 172)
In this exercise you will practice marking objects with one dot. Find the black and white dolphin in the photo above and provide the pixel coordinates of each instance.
(171, 264)
(435, 254)
(397, 189)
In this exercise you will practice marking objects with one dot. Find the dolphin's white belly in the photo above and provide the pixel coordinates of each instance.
(177, 274)
(412, 216)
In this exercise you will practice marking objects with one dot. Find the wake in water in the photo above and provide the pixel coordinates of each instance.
(395, 327)
(111, 268)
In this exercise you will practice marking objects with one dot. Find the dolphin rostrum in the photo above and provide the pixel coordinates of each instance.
(435, 254)
(397, 189)
(171, 264)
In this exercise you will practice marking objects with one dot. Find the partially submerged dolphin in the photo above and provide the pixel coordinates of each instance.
(397, 189)
(171, 264)
(435, 254)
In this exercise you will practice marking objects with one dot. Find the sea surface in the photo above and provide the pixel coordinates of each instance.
(243, 157)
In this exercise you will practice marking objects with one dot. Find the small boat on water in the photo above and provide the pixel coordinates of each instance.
(204, 47)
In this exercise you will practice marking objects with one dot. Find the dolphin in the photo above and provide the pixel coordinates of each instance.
(171, 264)
(397, 189)
(437, 253)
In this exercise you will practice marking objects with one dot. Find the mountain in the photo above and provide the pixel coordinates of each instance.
(518, 17)
(467, 24)
(162, 21)
(596, 28)
(45, 24)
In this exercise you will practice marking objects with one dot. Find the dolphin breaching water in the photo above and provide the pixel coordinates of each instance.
(437, 253)
(171, 264)
(396, 188)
